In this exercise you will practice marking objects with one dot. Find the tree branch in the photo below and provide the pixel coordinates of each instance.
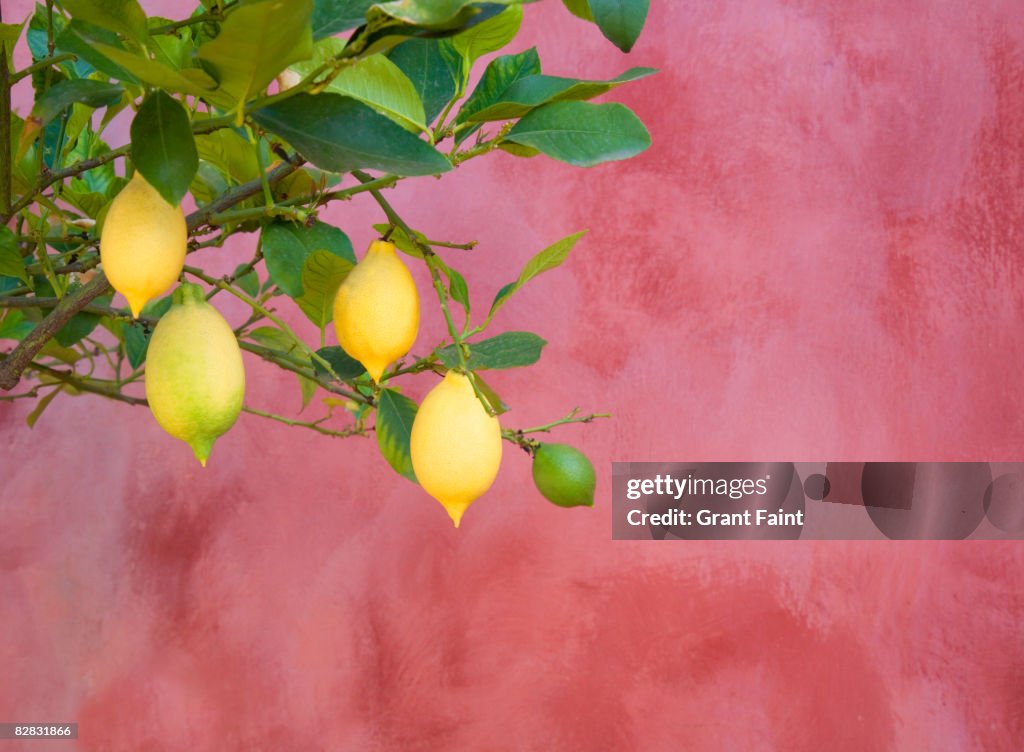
(5, 133)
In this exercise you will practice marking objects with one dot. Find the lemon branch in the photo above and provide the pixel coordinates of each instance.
(287, 363)
(109, 389)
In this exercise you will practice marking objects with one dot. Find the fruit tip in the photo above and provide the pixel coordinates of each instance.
(456, 512)
(201, 449)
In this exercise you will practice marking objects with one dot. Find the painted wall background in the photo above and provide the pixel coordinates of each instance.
(820, 258)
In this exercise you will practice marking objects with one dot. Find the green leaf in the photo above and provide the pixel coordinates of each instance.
(489, 36)
(374, 81)
(621, 21)
(499, 75)
(123, 16)
(9, 35)
(379, 83)
(395, 415)
(11, 262)
(155, 309)
(171, 49)
(163, 148)
(44, 403)
(552, 256)
(508, 350)
(340, 134)
(437, 15)
(322, 275)
(497, 404)
(14, 326)
(582, 134)
(423, 63)
(308, 388)
(80, 39)
(345, 366)
(208, 184)
(518, 150)
(286, 246)
(579, 8)
(192, 81)
(333, 16)
(136, 344)
(249, 283)
(231, 153)
(402, 241)
(257, 41)
(277, 339)
(80, 326)
(529, 92)
(59, 97)
(457, 287)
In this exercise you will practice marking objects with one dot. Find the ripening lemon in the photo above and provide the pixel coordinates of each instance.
(377, 309)
(195, 382)
(455, 445)
(143, 243)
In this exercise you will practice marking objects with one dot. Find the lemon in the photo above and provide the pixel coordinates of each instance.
(455, 445)
(195, 382)
(377, 309)
(143, 243)
(564, 475)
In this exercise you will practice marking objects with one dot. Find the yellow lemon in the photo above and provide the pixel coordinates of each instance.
(195, 382)
(377, 309)
(143, 243)
(455, 445)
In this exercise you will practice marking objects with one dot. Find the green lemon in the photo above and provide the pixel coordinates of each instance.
(564, 475)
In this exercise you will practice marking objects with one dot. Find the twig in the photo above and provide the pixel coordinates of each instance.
(355, 431)
(5, 133)
(92, 386)
(43, 64)
(521, 436)
(285, 362)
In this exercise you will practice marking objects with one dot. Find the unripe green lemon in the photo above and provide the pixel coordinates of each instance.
(564, 475)
(195, 381)
(455, 445)
(143, 243)
(377, 309)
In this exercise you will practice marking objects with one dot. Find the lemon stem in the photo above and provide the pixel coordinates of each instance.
(188, 293)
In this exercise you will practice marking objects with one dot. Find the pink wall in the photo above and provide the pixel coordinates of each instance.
(820, 258)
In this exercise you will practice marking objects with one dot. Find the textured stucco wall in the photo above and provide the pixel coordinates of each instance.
(820, 258)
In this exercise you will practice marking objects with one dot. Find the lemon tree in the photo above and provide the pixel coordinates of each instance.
(259, 114)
